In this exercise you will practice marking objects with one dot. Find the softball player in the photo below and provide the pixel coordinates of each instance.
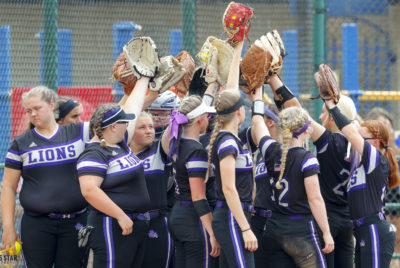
(190, 216)
(373, 170)
(334, 157)
(233, 168)
(112, 181)
(54, 208)
(263, 204)
(68, 111)
(295, 188)
(155, 162)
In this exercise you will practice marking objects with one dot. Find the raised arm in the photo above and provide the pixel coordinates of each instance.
(259, 129)
(343, 123)
(134, 103)
(285, 98)
(233, 77)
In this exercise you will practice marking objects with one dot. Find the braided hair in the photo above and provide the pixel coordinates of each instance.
(188, 104)
(379, 130)
(291, 121)
(224, 100)
(96, 120)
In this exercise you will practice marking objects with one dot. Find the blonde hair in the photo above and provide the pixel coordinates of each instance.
(291, 120)
(347, 107)
(47, 95)
(224, 100)
(96, 120)
(188, 104)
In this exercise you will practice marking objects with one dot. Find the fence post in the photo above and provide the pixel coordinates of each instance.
(350, 61)
(319, 44)
(122, 33)
(65, 58)
(290, 68)
(175, 42)
(50, 24)
(5, 89)
(188, 20)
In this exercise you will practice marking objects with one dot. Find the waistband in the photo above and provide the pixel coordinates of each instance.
(146, 216)
(245, 205)
(186, 202)
(57, 216)
(367, 220)
(269, 214)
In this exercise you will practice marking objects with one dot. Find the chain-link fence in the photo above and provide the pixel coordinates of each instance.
(71, 45)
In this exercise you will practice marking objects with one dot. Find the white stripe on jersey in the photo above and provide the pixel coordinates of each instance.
(312, 161)
(91, 164)
(228, 143)
(13, 157)
(86, 132)
(373, 158)
(323, 149)
(265, 146)
(196, 163)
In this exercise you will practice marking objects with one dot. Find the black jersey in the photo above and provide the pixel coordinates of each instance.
(300, 164)
(226, 144)
(122, 173)
(335, 167)
(367, 186)
(48, 168)
(247, 141)
(155, 162)
(191, 162)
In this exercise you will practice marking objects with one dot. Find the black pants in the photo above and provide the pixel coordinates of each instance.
(227, 232)
(52, 242)
(269, 254)
(342, 233)
(297, 236)
(375, 242)
(192, 245)
(110, 248)
(159, 244)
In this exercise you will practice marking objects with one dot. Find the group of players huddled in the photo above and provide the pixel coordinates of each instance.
(162, 181)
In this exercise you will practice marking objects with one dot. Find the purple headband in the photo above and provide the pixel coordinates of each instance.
(304, 128)
(271, 114)
(177, 119)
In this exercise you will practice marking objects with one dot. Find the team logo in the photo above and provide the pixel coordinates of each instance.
(152, 234)
(33, 144)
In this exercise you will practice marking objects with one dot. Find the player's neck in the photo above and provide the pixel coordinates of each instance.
(191, 132)
(231, 126)
(49, 130)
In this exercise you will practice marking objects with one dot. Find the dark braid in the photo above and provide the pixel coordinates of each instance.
(96, 120)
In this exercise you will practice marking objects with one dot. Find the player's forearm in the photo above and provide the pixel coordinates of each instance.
(233, 77)
(233, 201)
(8, 207)
(318, 210)
(100, 201)
(206, 220)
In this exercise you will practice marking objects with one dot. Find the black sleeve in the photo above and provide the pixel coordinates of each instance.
(92, 162)
(197, 164)
(13, 158)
